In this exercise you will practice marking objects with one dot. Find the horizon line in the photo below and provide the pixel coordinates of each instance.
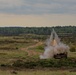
(41, 26)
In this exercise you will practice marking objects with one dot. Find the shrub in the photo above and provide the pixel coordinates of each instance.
(3, 65)
(72, 49)
(30, 65)
(57, 63)
(16, 47)
(40, 47)
(18, 63)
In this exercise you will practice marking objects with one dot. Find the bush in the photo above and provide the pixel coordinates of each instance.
(40, 47)
(18, 63)
(30, 65)
(16, 47)
(57, 63)
(3, 65)
(72, 49)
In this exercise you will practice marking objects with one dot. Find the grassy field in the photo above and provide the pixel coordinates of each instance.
(14, 48)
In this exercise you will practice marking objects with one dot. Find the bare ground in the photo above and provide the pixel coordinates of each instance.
(32, 52)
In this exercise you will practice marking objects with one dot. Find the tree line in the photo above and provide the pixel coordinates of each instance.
(11, 31)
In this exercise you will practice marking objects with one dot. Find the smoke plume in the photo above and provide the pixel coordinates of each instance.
(54, 46)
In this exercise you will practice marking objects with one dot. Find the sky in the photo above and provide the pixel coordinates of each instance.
(37, 13)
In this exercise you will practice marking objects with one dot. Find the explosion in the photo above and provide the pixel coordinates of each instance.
(54, 47)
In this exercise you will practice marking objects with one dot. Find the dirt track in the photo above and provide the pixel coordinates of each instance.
(31, 52)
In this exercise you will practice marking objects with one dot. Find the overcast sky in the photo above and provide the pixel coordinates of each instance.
(37, 12)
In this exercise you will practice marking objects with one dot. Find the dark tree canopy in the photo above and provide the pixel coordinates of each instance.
(36, 30)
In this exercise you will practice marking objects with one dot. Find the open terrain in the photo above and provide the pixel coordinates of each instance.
(18, 50)
(37, 72)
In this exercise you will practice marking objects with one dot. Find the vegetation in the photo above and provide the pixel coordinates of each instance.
(19, 52)
(73, 49)
(20, 49)
(38, 72)
(70, 63)
(36, 30)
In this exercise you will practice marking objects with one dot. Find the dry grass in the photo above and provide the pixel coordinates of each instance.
(7, 56)
(37, 72)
